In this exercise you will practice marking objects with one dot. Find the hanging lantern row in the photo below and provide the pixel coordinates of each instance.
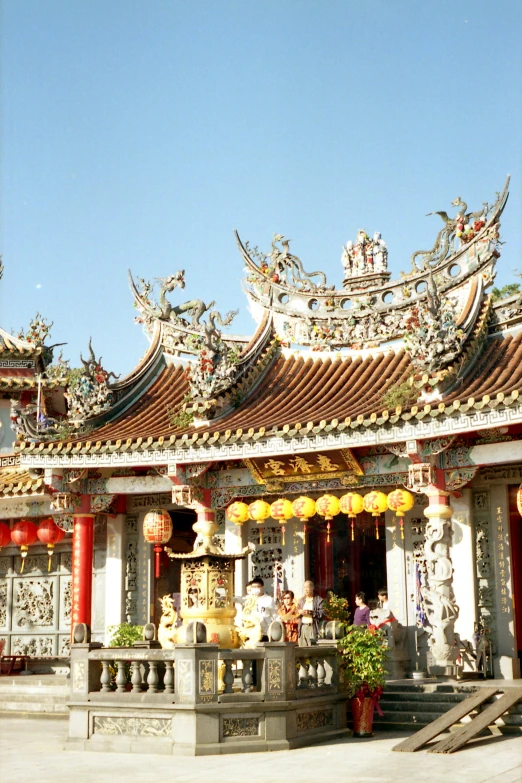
(25, 533)
(328, 507)
(157, 530)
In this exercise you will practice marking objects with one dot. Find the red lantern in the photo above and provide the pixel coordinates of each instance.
(157, 530)
(23, 535)
(5, 534)
(49, 533)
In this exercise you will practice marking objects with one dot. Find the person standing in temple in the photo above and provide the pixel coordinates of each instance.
(311, 612)
(289, 616)
(362, 613)
(264, 608)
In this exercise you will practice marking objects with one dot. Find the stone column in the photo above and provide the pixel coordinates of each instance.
(82, 554)
(114, 570)
(441, 609)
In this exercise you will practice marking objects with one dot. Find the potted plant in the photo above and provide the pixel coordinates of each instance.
(123, 635)
(363, 653)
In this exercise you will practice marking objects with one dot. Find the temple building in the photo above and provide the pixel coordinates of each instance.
(368, 387)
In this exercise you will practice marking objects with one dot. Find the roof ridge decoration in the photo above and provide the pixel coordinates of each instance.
(217, 362)
(370, 309)
(432, 336)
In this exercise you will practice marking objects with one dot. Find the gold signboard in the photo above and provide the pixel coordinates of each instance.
(304, 467)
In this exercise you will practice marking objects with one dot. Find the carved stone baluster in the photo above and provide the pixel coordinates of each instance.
(152, 677)
(312, 674)
(303, 673)
(321, 674)
(247, 678)
(121, 677)
(228, 677)
(136, 677)
(105, 679)
(168, 679)
(144, 668)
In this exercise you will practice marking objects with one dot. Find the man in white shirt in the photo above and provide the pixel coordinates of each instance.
(265, 607)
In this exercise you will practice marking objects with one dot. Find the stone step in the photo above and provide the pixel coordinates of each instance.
(408, 697)
(41, 698)
(28, 692)
(407, 707)
(13, 706)
(22, 714)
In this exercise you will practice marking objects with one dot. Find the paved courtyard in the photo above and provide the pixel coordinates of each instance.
(32, 750)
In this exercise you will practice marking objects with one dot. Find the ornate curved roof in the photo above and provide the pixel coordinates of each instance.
(430, 346)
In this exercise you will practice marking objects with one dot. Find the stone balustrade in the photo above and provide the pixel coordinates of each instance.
(197, 698)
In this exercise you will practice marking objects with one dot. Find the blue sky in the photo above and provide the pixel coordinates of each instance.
(140, 133)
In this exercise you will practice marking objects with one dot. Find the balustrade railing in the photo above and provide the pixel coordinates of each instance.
(203, 672)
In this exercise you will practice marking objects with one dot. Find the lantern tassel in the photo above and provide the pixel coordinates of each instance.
(377, 528)
(261, 536)
(353, 529)
(328, 532)
(304, 534)
(284, 530)
(401, 525)
(157, 562)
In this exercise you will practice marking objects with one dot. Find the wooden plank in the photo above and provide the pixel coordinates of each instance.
(432, 730)
(482, 721)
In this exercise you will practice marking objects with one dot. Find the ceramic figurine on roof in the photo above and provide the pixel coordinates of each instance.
(89, 393)
(464, 226)
(364, 258)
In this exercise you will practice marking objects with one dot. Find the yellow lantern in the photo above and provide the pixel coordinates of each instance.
(519, 500)
(281, 510)
(303, 508)
(400, 501)
(259, 510)
(351, 504)
(238, 513)
(376, 504)
(328, 507)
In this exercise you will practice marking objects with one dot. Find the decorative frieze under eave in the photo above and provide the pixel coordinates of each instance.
(31, 506)
(431, 421)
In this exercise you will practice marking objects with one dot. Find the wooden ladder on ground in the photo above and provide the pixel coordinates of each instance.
(459, 737)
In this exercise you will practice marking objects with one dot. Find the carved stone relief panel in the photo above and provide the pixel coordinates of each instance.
(33, 645)
(485, 571)
(131, 569)
(6, 565)
(34, 603)
(240, 727)
(144, 727)
(267, 558)
(3, 603)
(319, 719)
(65, 602)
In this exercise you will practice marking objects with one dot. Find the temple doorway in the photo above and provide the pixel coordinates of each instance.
(515, 531)
(348, 566)
(182, 540)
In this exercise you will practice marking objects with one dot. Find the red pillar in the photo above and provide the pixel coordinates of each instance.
(82, 556)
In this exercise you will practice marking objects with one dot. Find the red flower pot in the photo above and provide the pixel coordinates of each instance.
(362, 713)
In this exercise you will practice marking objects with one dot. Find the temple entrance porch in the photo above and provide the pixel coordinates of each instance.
(348, 566)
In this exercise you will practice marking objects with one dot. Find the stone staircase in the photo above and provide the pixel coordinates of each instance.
(34, 696)
(409, 705)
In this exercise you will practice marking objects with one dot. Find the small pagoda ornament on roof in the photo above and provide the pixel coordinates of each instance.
(365, 261)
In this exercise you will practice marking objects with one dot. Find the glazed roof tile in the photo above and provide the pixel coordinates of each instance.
(16, 481)
(299, 392)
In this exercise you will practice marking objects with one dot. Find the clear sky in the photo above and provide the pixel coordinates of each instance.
(140, 133)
